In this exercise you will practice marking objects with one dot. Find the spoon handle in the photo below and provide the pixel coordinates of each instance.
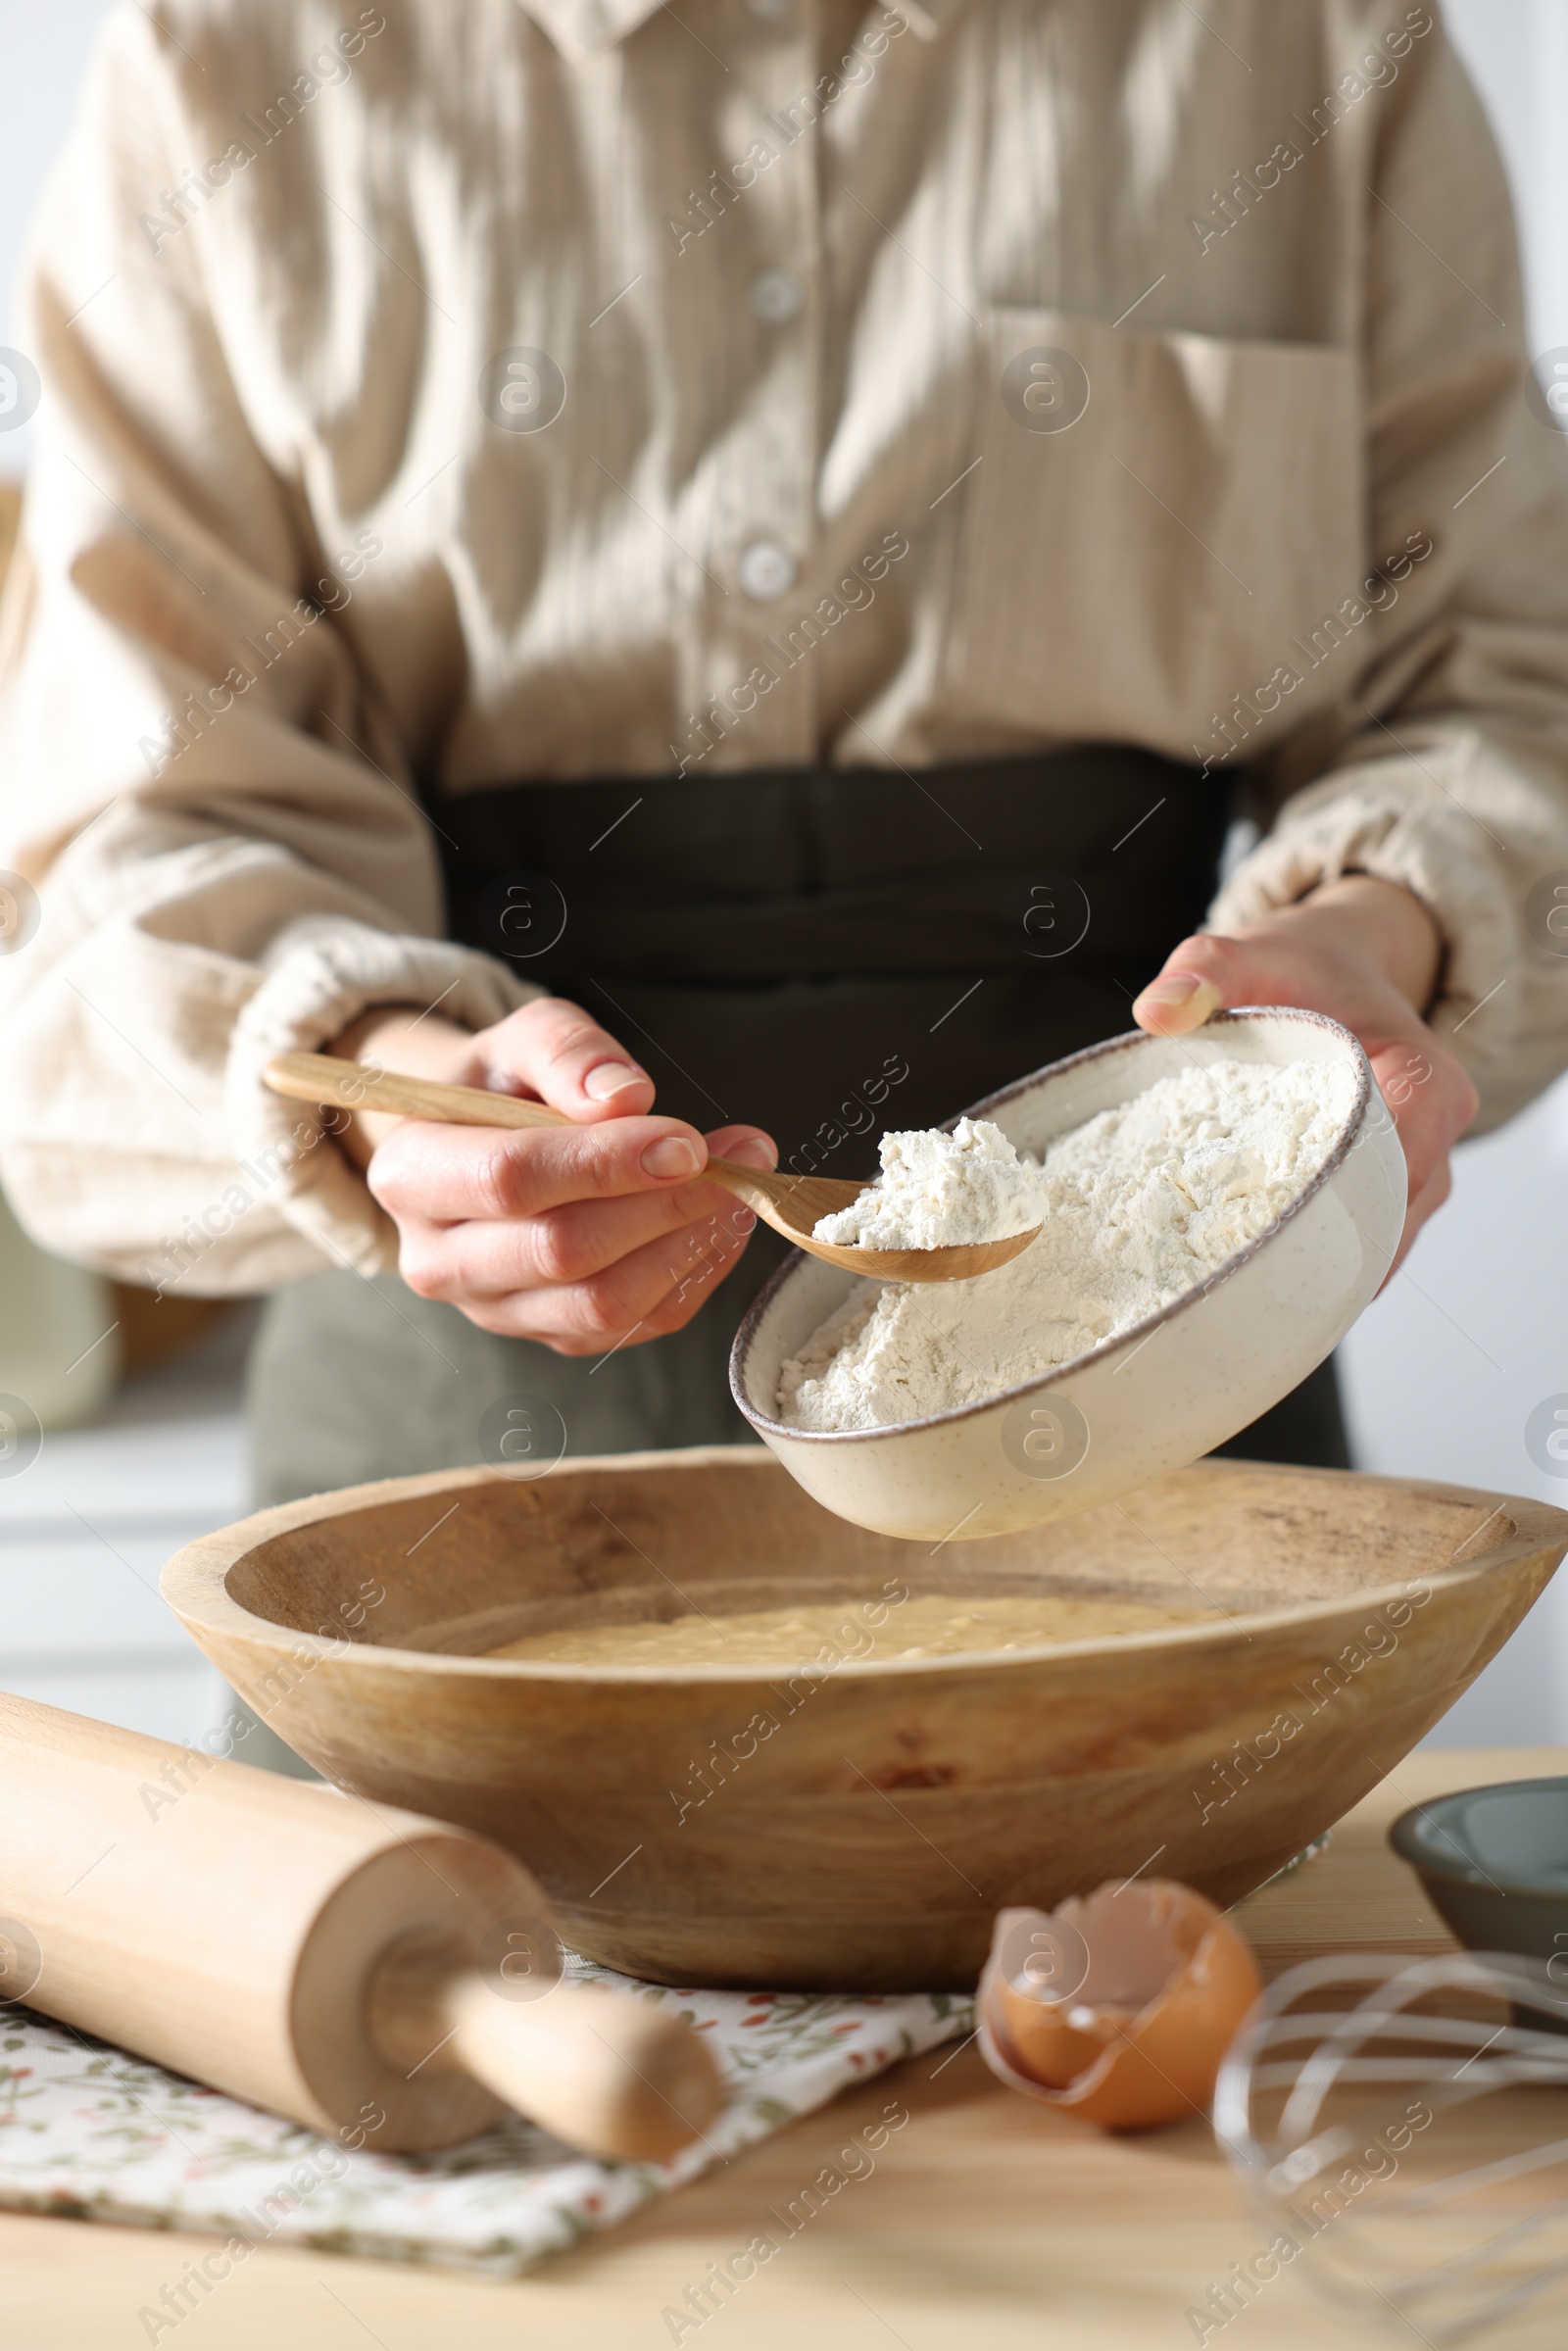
(363, 1085)
(324, 1079)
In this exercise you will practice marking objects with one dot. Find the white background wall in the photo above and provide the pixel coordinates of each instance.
(1441, 1373)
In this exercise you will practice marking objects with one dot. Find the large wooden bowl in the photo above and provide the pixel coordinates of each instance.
(862, 1827)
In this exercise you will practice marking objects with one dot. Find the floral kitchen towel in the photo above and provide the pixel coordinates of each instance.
(91, 2134)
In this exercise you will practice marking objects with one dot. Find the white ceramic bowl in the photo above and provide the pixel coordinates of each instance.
(1152, 1399)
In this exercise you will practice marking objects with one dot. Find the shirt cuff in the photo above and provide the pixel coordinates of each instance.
(1441, 857)
(319, 975)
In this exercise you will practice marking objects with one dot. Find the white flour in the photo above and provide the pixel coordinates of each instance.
(1142, 1204)
(938, 1189)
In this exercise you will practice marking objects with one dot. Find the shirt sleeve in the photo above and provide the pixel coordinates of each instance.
(201, 797)
(1444, 766)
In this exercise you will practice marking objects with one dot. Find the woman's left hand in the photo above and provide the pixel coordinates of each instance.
(1367, 952)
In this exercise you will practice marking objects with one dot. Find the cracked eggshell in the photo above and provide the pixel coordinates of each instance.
(1118, 2007)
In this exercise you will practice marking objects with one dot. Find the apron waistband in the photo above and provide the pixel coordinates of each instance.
(766, 875)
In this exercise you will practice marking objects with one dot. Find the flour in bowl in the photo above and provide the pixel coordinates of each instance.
(1140, 1205)
(937, 1191)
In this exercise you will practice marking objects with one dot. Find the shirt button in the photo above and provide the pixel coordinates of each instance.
(771, 11)
(765, 570)
(773, 296)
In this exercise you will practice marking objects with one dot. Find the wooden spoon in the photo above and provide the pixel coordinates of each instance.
(790, 1203)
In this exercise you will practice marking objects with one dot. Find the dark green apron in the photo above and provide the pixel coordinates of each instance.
(824, 954)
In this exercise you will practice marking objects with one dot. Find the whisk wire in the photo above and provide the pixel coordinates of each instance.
(1308, 2169)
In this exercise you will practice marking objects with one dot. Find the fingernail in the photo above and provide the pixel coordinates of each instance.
(1202, 997)
(755, 1152)
(608, 1077)
(670, 1155)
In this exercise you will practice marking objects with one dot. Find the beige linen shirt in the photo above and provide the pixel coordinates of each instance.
(456, 391)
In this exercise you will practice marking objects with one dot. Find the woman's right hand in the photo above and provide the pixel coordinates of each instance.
(581, 1238)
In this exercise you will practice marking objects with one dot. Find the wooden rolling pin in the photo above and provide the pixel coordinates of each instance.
(375, 1975)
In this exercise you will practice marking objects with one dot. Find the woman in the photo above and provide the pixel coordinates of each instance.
(734, 571)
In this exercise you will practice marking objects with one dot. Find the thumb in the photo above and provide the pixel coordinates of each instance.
(1178, 1000)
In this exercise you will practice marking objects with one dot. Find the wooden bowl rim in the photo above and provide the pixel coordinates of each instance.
(1137, 1332)
(194, 1581)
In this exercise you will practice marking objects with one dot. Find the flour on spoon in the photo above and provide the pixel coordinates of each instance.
(937, 1191)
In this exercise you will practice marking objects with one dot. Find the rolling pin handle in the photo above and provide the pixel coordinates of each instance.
(607, 2071)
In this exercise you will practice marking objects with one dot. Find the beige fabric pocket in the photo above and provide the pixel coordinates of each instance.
(1152, 518)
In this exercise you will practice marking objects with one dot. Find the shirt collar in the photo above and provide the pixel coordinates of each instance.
(589, 27)
(586, 26)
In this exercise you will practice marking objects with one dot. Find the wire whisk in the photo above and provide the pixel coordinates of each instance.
(1402, 2129)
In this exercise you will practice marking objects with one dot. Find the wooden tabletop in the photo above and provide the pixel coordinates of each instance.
(989, 2220)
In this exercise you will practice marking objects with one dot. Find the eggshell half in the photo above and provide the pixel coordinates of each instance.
(1127, 2022)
